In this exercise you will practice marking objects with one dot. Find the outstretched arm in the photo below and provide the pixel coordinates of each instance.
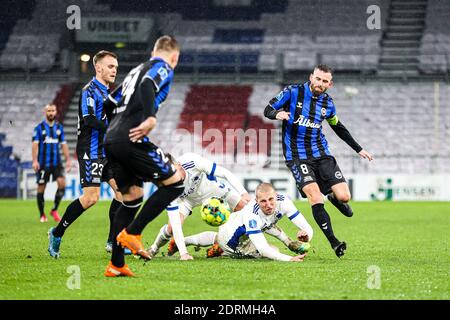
(343, 133)
(272, 114)
(221, 172)
(277, 232)
(177, 230)
(270, 252)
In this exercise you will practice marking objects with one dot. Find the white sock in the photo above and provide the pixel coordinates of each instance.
(203, 239)
(162, 238)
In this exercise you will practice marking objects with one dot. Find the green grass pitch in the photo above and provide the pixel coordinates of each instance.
(396, 250)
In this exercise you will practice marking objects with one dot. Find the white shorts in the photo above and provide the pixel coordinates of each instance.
(213, 189)
(245, 248)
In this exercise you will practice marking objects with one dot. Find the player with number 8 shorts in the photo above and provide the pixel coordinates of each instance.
(302, 108)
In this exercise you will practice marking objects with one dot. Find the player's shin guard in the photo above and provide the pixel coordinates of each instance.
(40, 203)
(323, 220)
(115, 205)
(123, 216)
(162, 238)
(58, 196)
(155, 205)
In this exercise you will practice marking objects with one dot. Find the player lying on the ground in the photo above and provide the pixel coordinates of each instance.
(242, 236)
(200, 184)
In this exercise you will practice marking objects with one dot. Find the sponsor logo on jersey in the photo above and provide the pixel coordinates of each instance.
(302, 121)
(50, 140)
(299, 105)
(308, 178)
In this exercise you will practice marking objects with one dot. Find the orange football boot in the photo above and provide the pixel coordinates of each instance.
(214, 251)
(113, 271)
(172, 247)
(134, 243)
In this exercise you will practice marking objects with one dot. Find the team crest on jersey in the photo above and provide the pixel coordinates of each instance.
(252, 223)
(163, 73)
(58, 132)
(324, 112)
(338, 175)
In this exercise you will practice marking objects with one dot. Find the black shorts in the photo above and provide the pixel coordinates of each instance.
(136, 163)
(324, 171)
(43, 175)
(94, 172)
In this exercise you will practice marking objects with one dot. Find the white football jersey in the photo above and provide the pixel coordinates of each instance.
(199, 174)
(251, 220)
(201, 183)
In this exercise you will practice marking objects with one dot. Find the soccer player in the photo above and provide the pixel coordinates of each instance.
(302, 108)
(135, 159)
(242, 235)
(200, 183)
(48, 136)
(94, 168)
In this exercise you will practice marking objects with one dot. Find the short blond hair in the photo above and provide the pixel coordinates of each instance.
(101, 54)
(264, 187)
(167, 43)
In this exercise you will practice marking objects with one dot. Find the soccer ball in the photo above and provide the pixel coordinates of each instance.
(215, 211)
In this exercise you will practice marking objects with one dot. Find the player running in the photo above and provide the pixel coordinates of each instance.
(48, 136)
(200, 183)
(302, 108)
(94, 168)
(242, 235)
(135, 159)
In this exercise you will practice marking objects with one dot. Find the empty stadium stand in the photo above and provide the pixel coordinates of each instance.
(435, 45)
(404, 125)
(21, 109)
(34, 41)
(8, 170)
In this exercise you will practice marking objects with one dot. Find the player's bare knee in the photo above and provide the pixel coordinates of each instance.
(92, 199)
(343, 197)
(314, 197)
